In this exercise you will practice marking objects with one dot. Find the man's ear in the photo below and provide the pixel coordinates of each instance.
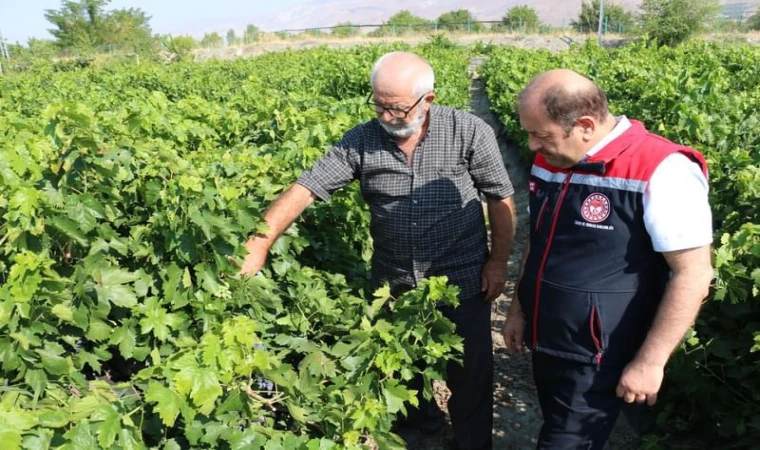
(430, 97)
(587, 125)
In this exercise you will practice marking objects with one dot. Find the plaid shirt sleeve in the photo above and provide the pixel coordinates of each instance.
(334, 170)
(487, 167)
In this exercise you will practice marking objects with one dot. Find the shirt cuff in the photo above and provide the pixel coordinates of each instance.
(674, 245)
(501, 193)
(309, 183)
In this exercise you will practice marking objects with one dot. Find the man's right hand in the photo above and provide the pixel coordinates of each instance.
(256, 257)
(288, 206)
(513, 331)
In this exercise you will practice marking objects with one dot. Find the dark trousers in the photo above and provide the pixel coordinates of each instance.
(578, 402)
(471, 384)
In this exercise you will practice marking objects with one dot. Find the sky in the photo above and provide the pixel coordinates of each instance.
(22, 19)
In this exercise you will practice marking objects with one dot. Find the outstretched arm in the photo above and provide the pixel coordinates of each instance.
(279, 216)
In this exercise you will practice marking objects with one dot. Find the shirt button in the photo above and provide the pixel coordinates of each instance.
(414, 224)
(414, 201)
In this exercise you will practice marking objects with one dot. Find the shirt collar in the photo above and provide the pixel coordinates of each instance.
(622, 125)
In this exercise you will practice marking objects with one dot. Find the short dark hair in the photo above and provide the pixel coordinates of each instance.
(565, 107)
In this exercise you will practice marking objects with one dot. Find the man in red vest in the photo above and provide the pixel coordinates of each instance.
(618, 261)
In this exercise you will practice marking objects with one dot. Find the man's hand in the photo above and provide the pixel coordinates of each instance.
(640, 382)
(256, 257)
(288, 206)
(689, 284)
(493, 278)
(513, 332)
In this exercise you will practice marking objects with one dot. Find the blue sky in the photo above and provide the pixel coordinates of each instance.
(22, 19)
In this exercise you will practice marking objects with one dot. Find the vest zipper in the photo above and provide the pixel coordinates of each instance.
(545, 256)
(596, 324)
(541, 213)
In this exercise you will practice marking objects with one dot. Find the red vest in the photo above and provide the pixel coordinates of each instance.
(592, 282)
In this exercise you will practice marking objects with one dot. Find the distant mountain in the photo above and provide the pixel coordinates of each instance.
(326, 13)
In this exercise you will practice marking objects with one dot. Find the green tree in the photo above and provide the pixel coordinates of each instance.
(403, 22)
(181, 47)
(251, 34)
(77, 24)
(670, 22)
(459, 20)
(618, 20)
(231, 38)
(23, 56)
(212, 40)
(127, 28)
(522, 18)
(86, 26)
(731, 26)
(312, 32)
(41, 48)
(345, 29)
(753, 23)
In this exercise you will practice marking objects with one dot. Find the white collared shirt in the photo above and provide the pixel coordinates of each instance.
(677, 214)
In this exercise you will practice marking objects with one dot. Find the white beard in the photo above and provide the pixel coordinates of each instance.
(402, 130)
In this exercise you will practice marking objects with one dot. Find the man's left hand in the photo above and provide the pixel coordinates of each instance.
(493, 279)
(640, 382)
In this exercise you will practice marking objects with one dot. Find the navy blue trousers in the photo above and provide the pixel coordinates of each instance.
(471, 384)
(578, 402)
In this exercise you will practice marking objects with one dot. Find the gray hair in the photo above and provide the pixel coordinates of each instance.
(424, 82)
(565, 106)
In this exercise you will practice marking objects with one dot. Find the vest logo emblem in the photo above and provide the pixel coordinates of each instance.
(596, 208)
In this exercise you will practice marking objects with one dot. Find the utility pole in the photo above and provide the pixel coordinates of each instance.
(601, 19)
(3, 51)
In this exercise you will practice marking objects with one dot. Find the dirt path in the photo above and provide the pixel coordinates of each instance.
(517, 416)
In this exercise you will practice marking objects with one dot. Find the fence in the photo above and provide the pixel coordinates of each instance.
(480, 26)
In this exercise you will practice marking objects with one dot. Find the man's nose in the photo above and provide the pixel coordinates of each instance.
(533, 144)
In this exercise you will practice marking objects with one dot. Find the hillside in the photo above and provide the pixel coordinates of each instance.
(324, 13)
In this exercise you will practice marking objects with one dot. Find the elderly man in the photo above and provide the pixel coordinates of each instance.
(421, 169)
(618, 260)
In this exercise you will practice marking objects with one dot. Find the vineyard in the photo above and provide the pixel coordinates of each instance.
(126, 192)
(706, 96)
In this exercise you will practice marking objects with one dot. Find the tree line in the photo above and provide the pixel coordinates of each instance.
(666, 22)
(88, 27)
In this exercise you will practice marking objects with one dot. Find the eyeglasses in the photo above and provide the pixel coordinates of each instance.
(394, 112)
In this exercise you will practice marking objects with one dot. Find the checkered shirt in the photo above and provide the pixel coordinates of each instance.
(426, 217)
